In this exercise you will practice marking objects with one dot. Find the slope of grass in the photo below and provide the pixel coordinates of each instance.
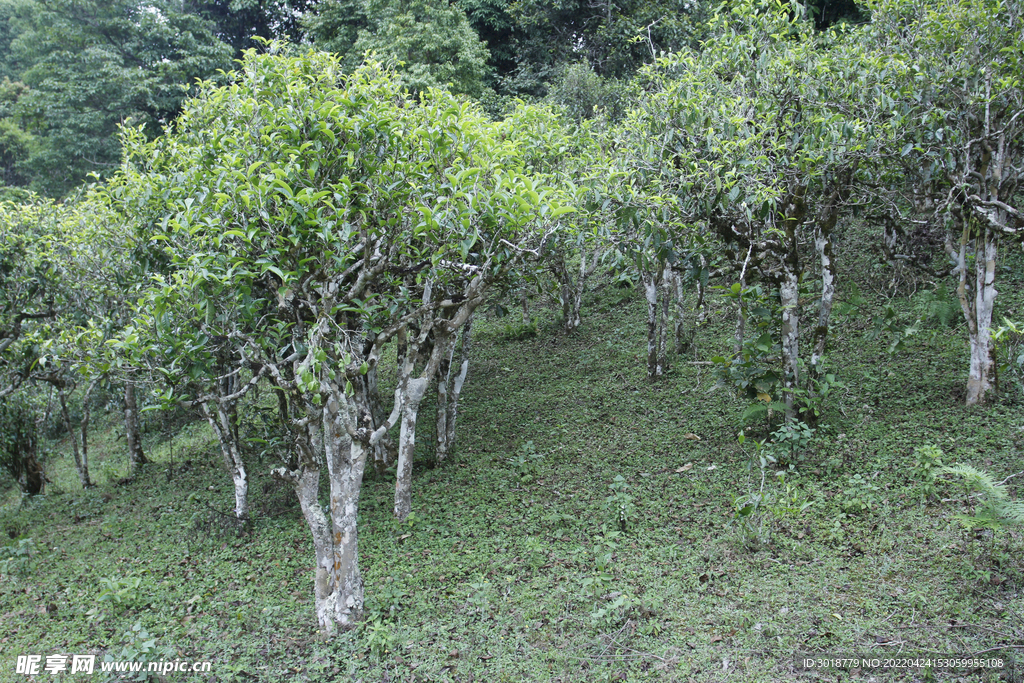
(516, 566)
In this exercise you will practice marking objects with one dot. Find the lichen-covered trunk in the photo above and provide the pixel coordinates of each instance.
(651, 283)
(789, 291)
(823, 244)
(222, 420)
(977, 301)
(133, 429)
(789, 295)
(413, 392)
(81, 463)
(338, 584)
(342, 581)
(666, 318)
(448, 392)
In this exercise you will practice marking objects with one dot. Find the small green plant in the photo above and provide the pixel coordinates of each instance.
(384, 603)
(118, 593)
(927, 467)
(609, 615)
(995, 509)
(140, 646)
(1008, 353)
(860, 495)
(482, 591)
(17, 559)
(526, 462)
(604, 549)
(790, 443)
(380, 639)
(791, 501)
(620, 503)
(517, 331)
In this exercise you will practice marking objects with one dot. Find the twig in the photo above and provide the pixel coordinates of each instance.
(1009, 478)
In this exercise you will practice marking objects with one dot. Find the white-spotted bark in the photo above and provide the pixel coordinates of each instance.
(133, 428)
(448, 392)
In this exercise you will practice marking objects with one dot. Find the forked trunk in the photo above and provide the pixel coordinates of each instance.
(448, 392)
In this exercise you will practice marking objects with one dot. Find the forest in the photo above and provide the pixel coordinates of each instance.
(425, 340)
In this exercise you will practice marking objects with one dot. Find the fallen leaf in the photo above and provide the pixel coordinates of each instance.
(685, 468)
(692, 437)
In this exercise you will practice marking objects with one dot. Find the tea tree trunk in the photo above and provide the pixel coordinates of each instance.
(448, 392)
(81, 459)
(977, 294)
(132, 429)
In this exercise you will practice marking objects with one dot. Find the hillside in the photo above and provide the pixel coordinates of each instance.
(592, 526)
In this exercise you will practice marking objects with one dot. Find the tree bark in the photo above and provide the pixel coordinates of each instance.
(86, 412)
(222, 419)
(651, 283)
(977, 296)
(823, 244)
(81, 464)
(413, 392)
(789, 294)
(132, 429)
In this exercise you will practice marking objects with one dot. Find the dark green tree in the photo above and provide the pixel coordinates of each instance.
(90, 66)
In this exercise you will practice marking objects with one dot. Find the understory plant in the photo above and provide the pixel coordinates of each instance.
(995, 508)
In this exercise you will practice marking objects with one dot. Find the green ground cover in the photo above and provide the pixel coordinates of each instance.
(592, 526)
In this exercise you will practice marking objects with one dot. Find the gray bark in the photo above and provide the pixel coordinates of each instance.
(448, 392)
(133, 429)
(789, 293)
(651, 282)
(81, 463)
(222, 419)
(977, 295)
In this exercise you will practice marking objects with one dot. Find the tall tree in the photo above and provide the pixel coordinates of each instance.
(91, 66)
(429, 42)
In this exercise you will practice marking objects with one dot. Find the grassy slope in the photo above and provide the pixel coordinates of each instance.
(487, 581)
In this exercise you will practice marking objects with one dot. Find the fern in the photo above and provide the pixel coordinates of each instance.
(938, 305)
(759, 410)
(996, 509)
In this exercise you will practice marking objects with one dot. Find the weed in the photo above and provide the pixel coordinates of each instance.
(791, 442)
(620, 503)
(379, 638)
(927, 466)
(860, 495)
(518, 331)
(140, 646)
(17, 559)
(526, 463)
